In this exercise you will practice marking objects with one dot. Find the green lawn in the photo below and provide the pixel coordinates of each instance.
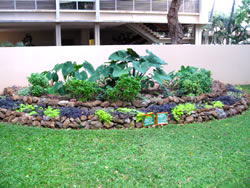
(213, 154)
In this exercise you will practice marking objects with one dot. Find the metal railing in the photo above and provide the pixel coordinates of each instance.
(191, 6)
(28, 4)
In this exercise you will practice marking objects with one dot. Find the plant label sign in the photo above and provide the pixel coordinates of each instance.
(162, 118)
(148, 119)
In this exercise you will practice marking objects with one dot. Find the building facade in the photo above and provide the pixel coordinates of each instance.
(99, 22)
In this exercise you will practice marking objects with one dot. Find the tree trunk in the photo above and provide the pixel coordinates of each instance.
(210, 19)
(229, 29)
(175, 28)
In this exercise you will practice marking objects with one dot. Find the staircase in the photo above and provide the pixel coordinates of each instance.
(147, 33)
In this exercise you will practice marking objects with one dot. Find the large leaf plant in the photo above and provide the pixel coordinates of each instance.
(148, 69)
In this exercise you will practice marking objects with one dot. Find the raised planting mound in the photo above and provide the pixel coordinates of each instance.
(128, 91)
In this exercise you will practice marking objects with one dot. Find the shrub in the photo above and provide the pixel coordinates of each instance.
(25, 91)
(9, 103)
(39, 84)
(179, 110)
(227, 100)
(192, 81)
(81, 89)
(104, 116)
(31, 109)
(126, 89)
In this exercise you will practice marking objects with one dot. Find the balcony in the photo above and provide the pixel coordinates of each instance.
(187, 6)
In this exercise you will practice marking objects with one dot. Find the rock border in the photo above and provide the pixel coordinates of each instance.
(92, 121)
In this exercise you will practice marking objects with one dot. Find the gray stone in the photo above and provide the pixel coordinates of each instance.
(2, 116)
(221, 113)
(66, 123)
(59, 124)
(36, 123)
(63, 103)
(127, 120)
(189, 119)
(96, 124)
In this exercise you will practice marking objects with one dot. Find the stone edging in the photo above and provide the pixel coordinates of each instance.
(92, 121)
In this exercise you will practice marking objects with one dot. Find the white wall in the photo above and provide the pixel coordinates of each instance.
(229, 64)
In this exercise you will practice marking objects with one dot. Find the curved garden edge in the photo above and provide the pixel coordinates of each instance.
(92, 121)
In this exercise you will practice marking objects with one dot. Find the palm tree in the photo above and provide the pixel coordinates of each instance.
(229, 26)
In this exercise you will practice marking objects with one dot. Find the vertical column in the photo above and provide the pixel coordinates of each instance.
(97, 34)
(58, 25)
(97, 24)
(58, 35)
(198, 34)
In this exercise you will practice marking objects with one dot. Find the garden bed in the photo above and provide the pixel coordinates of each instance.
(118, 94)
(77, 114)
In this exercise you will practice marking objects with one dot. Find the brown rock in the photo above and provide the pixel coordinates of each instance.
(215, 114)
(8, 113)
(200, 119)
(138, 103)
(73, 100)
(180, 121)
(36, 123)
(2, 116)
(125, 104)
(118, 103)
(84, 118)
(139, 125)
(78, 120)
(9, 91)
(78, 103)
(88, 104)
(105, 104)
(35, 99)
(73, 125)
(133, 123)
(226, 107)
(71, 104)
(63, 103)
(96, 124)
(72, 119)
(25, 99)
(171, 99)
(29, 100)
(15, 97)
(15, 120)
(96, 103)
(66, 123)
(165, 101)
(218, 87)
(189, 119)
(3, 110)
(176, 100)
(53, 102)
(108, 125)
(10, 118)
(23, 120)
(63, 119)
(39, 118)
(19, 114)
(160, 102)
(90, 117)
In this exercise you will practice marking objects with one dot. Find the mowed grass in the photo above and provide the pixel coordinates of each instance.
(213, 154)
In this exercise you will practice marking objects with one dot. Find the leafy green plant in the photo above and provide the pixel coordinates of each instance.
(180, 109)
(214, 104)
(129, 62)
(126, 89)
(71, 71)
(50, 112)
(28, 108)
(81, 89)
(139, 116)
(9, 44)
(39, 84)
(191, 81)
(25, 91)
(104, 116)
(128, 110)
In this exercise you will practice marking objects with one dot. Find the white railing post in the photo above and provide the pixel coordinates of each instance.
(183, 6)
(36, 4)
(133, 5)
(167, 5)
(151, 6)
(115, 4)
(76, 5)
(15, 4)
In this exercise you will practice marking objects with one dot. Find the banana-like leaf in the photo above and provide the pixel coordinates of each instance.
(89, 67)
(57, 67)
(118, 71)
(54, 77)
(132, 53)
(160, 76)
(141, 67)
(81, 75)
(49, 75)
(119, 56)
(154, 60)
(67, 68)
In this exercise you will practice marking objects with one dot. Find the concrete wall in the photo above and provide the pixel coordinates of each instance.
(229, 64)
